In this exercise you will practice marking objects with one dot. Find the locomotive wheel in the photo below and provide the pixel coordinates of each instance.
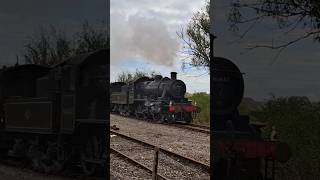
(156, 117)
(170, 118)
(149, 117)
(188, 118)
(162, 118)
(44, 161)
(139, 115)
(91, 154)
(165, 118)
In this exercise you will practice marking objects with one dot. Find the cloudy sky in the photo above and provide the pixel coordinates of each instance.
(21, 19)
(143, 36)
(295, 72)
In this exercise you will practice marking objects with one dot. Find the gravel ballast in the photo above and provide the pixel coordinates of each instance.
(121, 169)
(195, 145)
(170, 168)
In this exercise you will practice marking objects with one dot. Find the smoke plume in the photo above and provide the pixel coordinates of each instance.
(141, 37)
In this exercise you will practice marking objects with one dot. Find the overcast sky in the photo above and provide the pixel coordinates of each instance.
(21, 19)
(143, 36)
(294, 73)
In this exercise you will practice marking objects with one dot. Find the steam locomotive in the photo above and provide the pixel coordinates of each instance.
(239, 152)
(56, 116)
(159, 99)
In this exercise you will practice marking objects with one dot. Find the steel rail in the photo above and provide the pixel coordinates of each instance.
(136, 163)
(200, 126)
(193, 127)
(170, 153)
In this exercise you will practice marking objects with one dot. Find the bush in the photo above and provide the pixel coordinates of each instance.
(203, 101)
(297, 122)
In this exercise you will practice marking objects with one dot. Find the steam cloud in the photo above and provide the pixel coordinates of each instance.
(141, 37)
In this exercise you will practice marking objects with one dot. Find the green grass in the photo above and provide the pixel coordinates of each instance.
(203, 101)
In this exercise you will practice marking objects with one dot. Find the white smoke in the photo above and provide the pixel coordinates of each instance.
(140, 37)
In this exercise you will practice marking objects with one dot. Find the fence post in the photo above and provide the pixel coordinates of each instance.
(155, 164)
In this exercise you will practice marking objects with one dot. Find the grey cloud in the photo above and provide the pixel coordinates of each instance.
(147, 29)
(147, 4)
(141, 37)
(167, 10)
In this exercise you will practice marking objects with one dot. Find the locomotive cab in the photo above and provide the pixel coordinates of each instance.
(60, 107)
(83, 81)
(19, 100)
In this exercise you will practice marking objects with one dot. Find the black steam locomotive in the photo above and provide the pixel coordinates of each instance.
(56, 116)
(239, 152)
(159, 99)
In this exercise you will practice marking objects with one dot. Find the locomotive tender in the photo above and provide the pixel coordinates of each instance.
(158, 98)
(57, 116)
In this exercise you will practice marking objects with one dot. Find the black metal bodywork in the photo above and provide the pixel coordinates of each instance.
(65, 105)
(152, 98)
(239, 151)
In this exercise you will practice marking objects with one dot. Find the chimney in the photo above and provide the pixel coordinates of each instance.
(173, 75)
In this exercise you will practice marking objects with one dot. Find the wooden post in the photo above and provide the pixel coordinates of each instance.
(273, 170)
(155, 164)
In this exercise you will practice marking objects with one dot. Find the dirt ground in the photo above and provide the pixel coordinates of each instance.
(15, 173)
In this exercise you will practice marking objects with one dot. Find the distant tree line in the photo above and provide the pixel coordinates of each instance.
(51, 45)
(131, 76)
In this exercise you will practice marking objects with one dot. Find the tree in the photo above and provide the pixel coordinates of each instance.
(52, 46)
(47, 48)
(297, 122)
(289, 15)
(91, 38)
(128, 76)
(196, 39)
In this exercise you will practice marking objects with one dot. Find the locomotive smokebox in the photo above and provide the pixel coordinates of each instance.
(157, 77)
(173, 75)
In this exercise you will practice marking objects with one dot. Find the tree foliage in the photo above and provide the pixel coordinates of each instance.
(202, 100)
(289, 15)
(129, 76)
(90, 38)
(51, 45)
(196, 39)
(297, 121)
(47, 48)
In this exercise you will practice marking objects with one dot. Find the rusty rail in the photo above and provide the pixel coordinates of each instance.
(167, 152)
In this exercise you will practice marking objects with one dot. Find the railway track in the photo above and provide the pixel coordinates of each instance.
(192, 127)
(180, 159)
(200, 126)
(136, 163)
